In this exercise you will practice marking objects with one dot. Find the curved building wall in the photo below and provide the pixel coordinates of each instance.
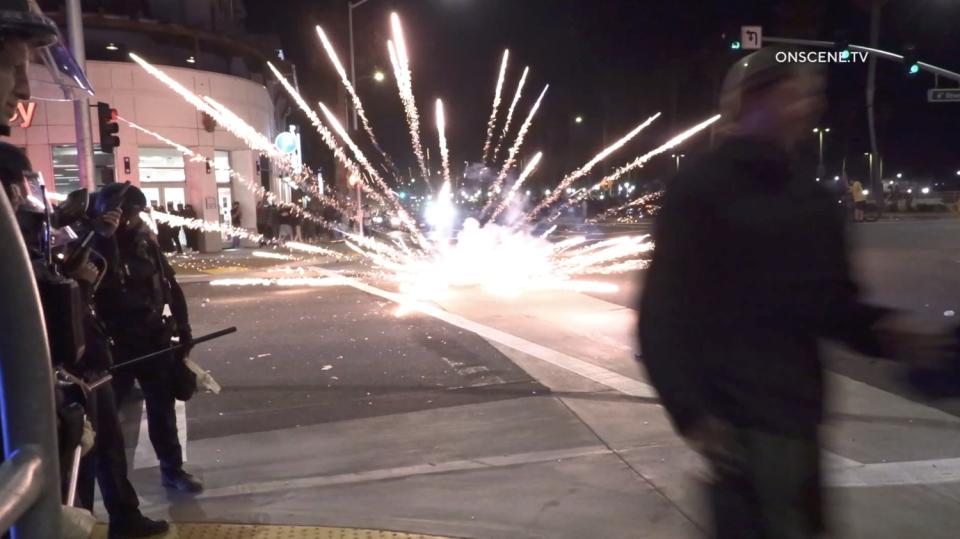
(140, 98)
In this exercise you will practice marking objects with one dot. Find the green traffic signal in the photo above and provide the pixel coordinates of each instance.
(914, 69)
(845, 55)
(736, 45)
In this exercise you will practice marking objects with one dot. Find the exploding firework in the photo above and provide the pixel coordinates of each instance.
(442, 132)
(513, 107)
(497, 95)
(461, 252)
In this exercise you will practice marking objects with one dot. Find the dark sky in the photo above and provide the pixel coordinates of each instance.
(616, 62)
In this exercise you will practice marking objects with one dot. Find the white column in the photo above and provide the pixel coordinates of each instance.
(201, 193)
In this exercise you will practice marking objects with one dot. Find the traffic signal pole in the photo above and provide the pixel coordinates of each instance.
(81, 103)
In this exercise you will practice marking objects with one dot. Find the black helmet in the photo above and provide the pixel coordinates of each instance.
(24, 18)
(13, 164)
(125, 196)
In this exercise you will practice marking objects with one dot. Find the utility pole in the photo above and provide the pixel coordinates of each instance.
(875, 186)
(81, 103)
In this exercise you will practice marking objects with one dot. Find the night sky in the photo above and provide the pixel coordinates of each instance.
(615, 62)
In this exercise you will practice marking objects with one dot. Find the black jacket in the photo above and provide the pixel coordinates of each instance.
(750, 270)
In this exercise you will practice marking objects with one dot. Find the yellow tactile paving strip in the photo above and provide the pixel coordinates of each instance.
(245, 531)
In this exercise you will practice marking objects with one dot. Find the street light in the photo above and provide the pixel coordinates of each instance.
(379, 76)
(899, 175)
(820, 168)
(678, 157)
(351, 5)
(578, 119)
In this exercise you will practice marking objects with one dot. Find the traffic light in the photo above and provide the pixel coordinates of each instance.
(841, 44)
(910, 63)
(109, 127)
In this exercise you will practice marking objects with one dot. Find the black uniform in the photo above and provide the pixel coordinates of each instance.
(132, 300)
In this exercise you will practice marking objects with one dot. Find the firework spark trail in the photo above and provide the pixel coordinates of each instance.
(442, 132)
(211, 226)
(512, 155)
(325, 133)
(401, 66)
(282, 281)
(497, 96)
(516, 186)
(510, 111)
(585, 169)
(256, 140)
(603, 257)
(640, 201)
(391, 197)
(241, 130)
(357, 103)
(257, 189)
(643, 159)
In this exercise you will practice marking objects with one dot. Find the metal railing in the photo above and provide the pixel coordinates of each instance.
(30, 475)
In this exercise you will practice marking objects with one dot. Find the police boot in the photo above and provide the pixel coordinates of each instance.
(182, 481)
(129, 527)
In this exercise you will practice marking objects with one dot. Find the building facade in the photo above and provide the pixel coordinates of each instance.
(206, 54)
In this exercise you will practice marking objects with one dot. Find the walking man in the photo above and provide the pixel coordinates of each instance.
(731, 315)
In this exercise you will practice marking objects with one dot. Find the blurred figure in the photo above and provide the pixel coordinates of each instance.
(193, 235)
(859, 200)
(175, 230)
(750, 271)
(263, 215)
(236, 221)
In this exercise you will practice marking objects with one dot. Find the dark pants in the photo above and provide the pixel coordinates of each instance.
(767, 487)
(157, 386)
(108, 461)
(175, 236)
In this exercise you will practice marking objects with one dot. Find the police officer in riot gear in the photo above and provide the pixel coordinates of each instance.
(144, 308)
(25, 31)
(91, 360)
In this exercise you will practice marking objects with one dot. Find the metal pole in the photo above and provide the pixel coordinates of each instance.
(871, 94)
(81, 105)
(360, 209)
(353, 59)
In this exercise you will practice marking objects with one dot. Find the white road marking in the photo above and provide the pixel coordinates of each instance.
(144, 455)
(600, 375)
(480, 463)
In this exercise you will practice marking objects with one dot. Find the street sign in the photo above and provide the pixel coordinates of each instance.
(943, 95)
(751, 37)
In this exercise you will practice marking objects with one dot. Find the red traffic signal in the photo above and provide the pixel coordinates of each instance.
(107, 118)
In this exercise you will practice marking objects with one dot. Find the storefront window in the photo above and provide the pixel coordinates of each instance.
(161, 165)
(66, 172)
(221, 164)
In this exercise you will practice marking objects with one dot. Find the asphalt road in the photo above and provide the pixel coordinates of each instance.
(305, 356)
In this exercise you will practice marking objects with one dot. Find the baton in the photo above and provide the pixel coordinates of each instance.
(198, 340)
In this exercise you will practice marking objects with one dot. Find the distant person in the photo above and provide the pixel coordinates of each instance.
(263, 216)
(285, 218)
(750, 272)
(236, 221)
(192, 234)
(174, 230)
(859, 200)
